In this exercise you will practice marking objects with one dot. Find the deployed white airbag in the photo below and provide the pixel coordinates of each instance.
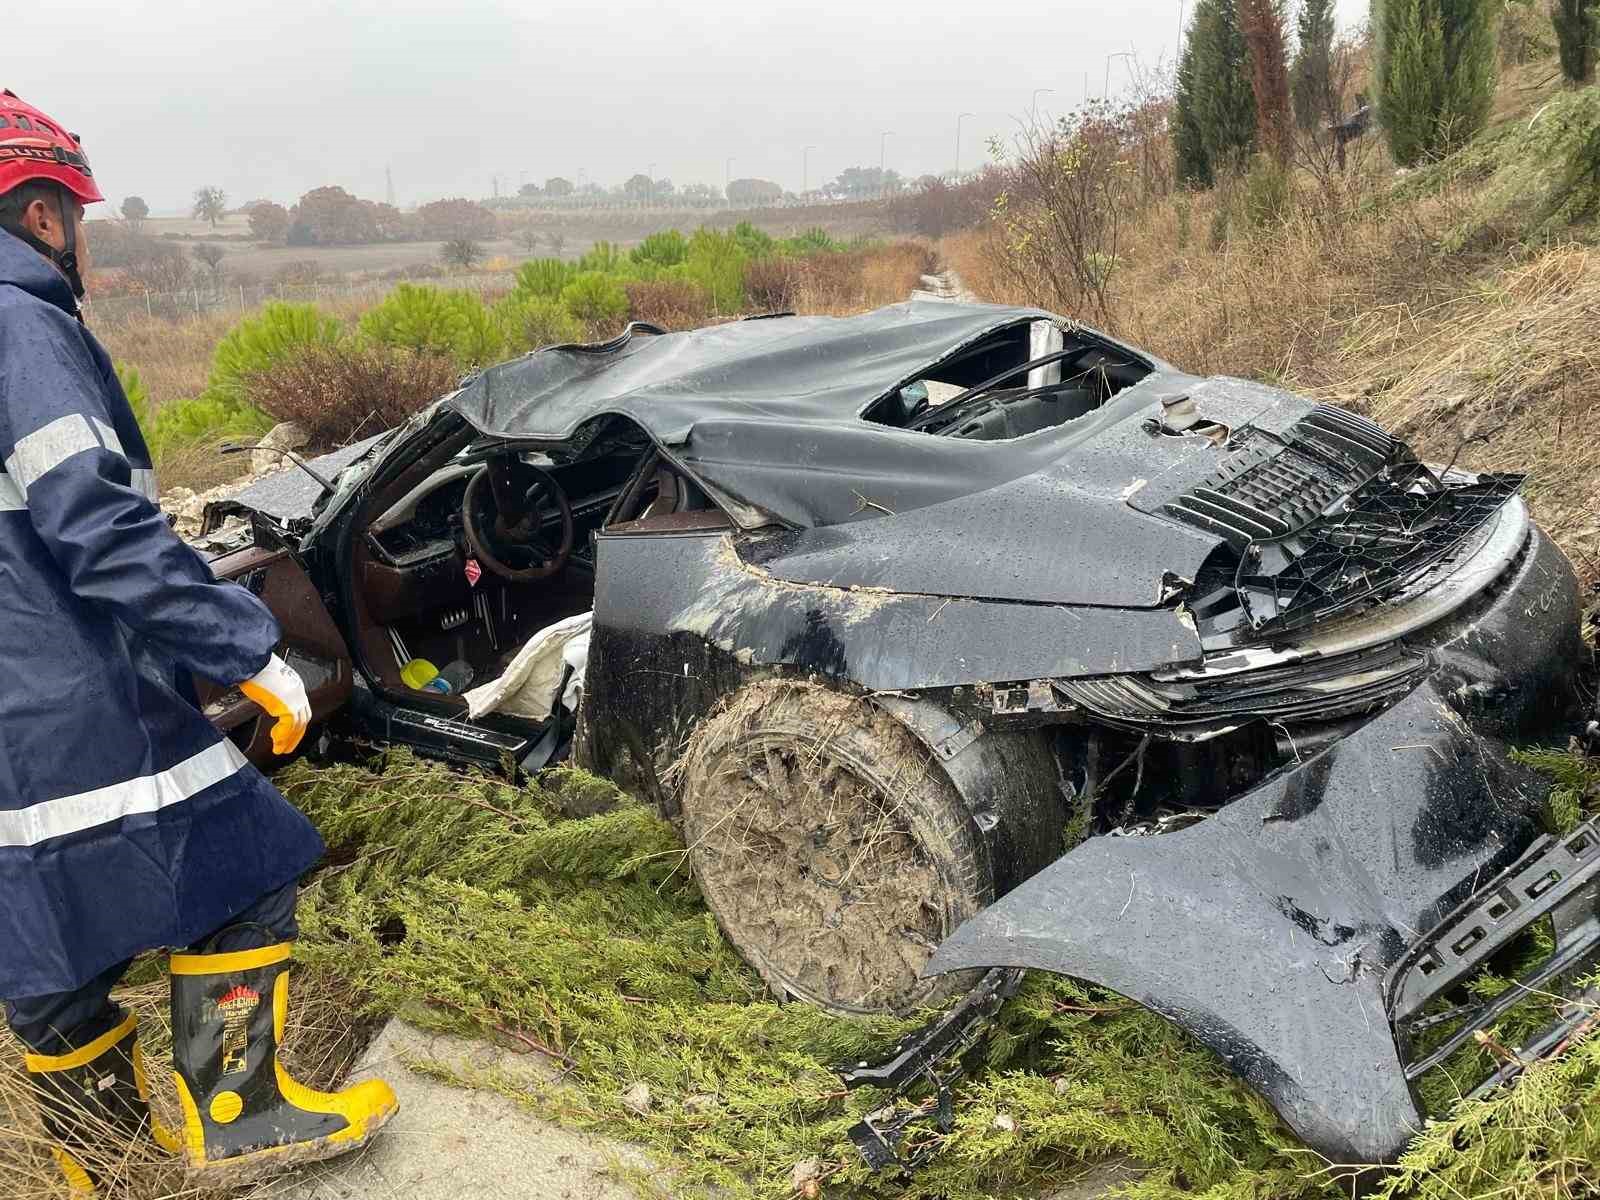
(528, 687)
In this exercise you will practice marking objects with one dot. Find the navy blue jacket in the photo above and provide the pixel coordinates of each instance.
(127, 822)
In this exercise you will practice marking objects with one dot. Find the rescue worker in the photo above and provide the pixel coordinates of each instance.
(127, 822)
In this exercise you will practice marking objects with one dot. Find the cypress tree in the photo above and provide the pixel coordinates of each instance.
(1315, 103)
(1577, 25)
(1435, 73)
(1262, 23)
(1215, 126)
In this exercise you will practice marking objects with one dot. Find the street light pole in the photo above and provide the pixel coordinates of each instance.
(1034, 106)
(960, 117)
(1105, 92)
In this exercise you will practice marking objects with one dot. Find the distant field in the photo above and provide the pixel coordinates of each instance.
(581, 229)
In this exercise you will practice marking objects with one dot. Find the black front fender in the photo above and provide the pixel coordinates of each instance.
(1268, 930)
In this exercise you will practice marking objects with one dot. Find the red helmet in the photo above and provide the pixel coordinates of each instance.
(36, 146)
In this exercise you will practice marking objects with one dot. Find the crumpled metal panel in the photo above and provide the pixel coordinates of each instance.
(289, 494)
(1268, 929)
(768, 413)
(699, 586)
(1065, 529)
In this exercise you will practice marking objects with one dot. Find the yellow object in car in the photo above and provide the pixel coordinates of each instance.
(418, 673)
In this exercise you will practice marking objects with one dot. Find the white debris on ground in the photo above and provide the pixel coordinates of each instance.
(946, 285)
(187, 507)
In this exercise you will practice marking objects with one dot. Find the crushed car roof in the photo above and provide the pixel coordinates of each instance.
(765, 409)
(795, 370)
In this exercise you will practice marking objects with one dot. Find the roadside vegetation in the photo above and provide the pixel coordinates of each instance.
(466, 905)
(345, 373)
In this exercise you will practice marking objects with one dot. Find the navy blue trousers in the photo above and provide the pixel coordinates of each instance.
(60, 1023)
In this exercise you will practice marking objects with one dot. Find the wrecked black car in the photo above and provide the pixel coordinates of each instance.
(961, 637)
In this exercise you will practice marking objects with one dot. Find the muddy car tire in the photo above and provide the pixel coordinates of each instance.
(833, 851)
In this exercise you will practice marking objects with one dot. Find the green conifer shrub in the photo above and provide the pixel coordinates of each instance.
(1435, 73)
(1215, 121)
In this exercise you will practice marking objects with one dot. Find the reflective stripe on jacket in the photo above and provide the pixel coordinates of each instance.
(127, 822)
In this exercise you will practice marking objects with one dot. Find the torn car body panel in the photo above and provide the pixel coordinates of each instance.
(1269, 930)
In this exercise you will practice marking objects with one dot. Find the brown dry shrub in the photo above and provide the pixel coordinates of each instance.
(668, 303)
(772, 284)
(350, 390)
(889, 274)
(830, 283)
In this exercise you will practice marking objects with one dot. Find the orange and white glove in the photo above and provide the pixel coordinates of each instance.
(279, 690)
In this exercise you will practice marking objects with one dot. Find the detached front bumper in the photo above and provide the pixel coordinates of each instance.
(1301, 931)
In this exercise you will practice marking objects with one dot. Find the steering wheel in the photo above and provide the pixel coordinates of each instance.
(511, 515)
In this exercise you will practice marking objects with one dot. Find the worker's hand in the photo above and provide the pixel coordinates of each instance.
(278, 690)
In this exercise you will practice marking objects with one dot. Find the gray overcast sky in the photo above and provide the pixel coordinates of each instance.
(272, 97)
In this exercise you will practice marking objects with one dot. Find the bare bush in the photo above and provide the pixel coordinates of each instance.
(1332, 145)
(670, 304)
(462, 252)
(772, 284)
(211, 255)
(341, 392)
(1067, 205)
(935, 208)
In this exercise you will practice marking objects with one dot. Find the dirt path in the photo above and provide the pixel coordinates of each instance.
(946, 285)
(464, 1143)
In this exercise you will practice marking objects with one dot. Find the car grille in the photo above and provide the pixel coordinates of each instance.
(1388, 534)
(1316, 689)
(1332, 515)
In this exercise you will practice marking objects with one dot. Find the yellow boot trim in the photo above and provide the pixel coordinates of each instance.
(365, 1107)
(228, 964)
(159, 1133)
(78, 1181)
(194, 1133)
(45, 1064)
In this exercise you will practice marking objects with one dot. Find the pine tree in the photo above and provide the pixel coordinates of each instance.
(1315, 103)
(1435, 73)
(1215, 124)
(1577, 25)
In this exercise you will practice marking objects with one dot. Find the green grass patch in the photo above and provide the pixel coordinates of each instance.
(472, 906)
(1534, 180)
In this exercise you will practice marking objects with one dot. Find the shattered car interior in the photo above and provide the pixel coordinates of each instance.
(960, 640)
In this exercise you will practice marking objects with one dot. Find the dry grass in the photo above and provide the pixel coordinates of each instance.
(1506, 376)
(173, 358)
(840, 284)
(321, 1046)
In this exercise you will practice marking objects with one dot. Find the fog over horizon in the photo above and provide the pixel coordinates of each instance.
(268, 100)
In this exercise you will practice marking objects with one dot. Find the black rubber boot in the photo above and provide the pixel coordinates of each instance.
(93, 1099)
(244, 1117)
